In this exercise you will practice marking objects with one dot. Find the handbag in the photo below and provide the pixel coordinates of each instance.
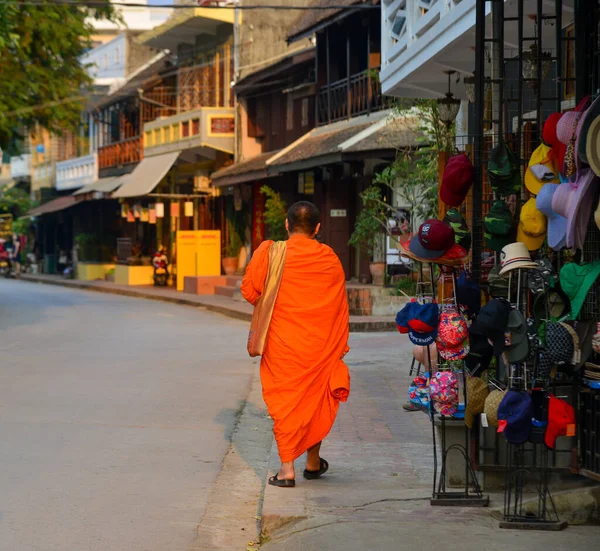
(263, 309)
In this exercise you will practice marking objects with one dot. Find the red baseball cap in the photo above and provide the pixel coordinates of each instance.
(560, 416)
(549, 137)
(457, 180)
(433, 239)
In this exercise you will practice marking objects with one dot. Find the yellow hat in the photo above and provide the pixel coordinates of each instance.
(541, 156)
(532, 226)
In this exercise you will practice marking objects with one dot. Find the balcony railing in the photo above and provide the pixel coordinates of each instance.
(359, 95)
(122, 153)
(20, 166)
(76, 173)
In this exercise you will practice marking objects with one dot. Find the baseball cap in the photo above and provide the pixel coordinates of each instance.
(468, 294)
(517, 410)
(560, 416)
(443, 387)
(532, 226)
(498, 225)
(422, 323)
(453, 336)
(402, 317)
(491, 322)
(456, 180)
(462, 234)
(518, 349)
(503, 170)
(480, 353)
(433, 239)
(540, 169)
(497, 284)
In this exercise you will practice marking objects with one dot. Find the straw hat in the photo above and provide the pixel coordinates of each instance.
(490, 408)
(515, 256)
(477, 392)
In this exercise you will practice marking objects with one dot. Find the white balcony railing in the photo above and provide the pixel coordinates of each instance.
(20, 167)
(76, 173)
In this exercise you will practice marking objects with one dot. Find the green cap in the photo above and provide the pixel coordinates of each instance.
(576, 280)
(497, 285)
(462, 234)
(503, 171)
(498, 225)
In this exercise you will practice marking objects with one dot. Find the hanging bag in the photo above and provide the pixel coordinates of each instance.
(263, 309)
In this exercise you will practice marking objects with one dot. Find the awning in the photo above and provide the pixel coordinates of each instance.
(56, 205)
(248, 170)
(147, 175)
(103, 185)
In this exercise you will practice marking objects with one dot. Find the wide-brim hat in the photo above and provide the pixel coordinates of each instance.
(576, 280)
(592, 145)
(557, 224)
(551, 305)
(591, 113)
(492, 403)
(477, 392)
(515, 256)
(585, 331)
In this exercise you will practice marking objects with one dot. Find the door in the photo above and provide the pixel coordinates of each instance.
(336, 220)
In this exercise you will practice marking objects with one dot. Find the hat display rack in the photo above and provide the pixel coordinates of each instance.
(472, 496)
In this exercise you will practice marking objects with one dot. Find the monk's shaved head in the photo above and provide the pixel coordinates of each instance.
(303, 217)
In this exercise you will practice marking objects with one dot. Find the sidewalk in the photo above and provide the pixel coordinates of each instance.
(222, 305)
(376, 493)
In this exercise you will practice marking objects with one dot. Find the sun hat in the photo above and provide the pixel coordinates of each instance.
(515, 257)
(585, 333)
(491, 405)
(443, 387)
(557, 224)
(421, 355)
(532, 226)
(518, 349)
(462, 234)
(503, 170)
(555, 301)
(592, 145)
(453, 336)
(540, 169)
(468, 294)
(477, 392)
(491, 323)
(576, 280)
(580, 206)
(456, 180)
(567, 131)
(588, 117)
(516, 409)
(549, 136)
(480, 354)
(497, 285)
(498, 226)
(559, 348)
(422, 323)
(560, 416)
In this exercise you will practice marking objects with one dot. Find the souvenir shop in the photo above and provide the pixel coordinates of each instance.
(506, 324)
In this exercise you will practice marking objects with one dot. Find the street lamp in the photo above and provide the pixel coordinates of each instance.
(448, 106)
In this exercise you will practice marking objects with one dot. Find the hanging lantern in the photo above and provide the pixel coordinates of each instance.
(144, 215)
(152, 216)
(124, 210)
(188, 208)
(160, 210)
(448, 106)
(137, 211)
(130, 216)
(469, 83)
(530, 65)
(174, 210)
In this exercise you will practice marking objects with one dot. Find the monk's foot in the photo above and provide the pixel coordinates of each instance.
(313, 464)
(285, 473)
(313, 474)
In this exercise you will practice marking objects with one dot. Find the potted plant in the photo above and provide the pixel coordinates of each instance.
(275, 214)
(232, 250)
(370, 230)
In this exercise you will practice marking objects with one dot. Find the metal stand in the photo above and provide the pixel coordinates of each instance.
(472, 496)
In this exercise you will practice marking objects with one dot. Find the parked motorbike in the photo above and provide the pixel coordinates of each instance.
(160, 263)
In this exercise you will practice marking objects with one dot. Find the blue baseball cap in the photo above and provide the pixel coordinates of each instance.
(423, 323)
(403, 316)
(468, 295)
(516, 409)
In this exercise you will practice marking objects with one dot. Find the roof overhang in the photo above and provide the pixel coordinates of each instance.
(307, 32)
(185, 25)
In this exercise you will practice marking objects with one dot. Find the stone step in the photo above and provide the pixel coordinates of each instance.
(203, 285)
(225, 290)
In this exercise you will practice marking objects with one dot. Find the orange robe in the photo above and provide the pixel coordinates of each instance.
(307, 338)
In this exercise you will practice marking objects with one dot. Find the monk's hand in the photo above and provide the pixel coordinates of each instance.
(346, 350)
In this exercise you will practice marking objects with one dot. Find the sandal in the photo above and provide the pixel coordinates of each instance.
(274, 481)
(313, 475)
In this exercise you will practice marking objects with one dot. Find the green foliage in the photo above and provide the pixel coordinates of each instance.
(406, 286)
(275, 214)
(371, 222)
(41, 76)
(95, 247)
(235, 243)
(14, 201)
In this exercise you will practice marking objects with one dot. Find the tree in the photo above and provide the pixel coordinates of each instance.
(275, 214)
(42, 79)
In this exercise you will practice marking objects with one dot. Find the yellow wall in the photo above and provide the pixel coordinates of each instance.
(92, 271)
(134, 275)
(198, 254)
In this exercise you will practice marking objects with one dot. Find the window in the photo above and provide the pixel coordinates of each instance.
(305, 117)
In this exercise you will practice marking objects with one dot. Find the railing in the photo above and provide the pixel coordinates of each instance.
(20, 166)
(126, 152)
(359, 95)
(77, 172)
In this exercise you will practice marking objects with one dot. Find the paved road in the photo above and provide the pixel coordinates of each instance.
(115, 417)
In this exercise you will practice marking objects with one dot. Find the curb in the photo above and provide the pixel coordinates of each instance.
(356, 326)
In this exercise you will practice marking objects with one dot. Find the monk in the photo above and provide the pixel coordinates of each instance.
(302, 373)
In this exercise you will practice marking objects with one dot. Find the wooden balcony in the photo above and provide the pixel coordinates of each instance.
(121, 153)
(346, 98)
